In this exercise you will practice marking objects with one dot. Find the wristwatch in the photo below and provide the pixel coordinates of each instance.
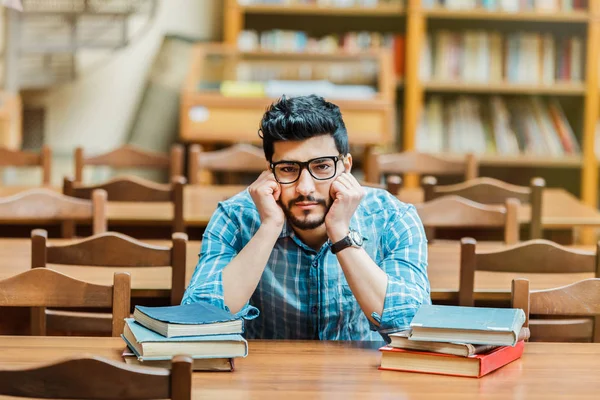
(354, 239)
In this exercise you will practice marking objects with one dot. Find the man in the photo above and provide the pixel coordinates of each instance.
(319, 255)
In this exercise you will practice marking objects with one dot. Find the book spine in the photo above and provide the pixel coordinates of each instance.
(500, 358)
(517, 324)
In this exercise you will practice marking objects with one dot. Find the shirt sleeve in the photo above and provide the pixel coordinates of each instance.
(221, 242)
(405, 263)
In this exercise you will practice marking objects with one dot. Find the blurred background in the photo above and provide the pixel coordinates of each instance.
(512, 81)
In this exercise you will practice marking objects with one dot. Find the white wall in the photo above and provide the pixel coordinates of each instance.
(96, 109)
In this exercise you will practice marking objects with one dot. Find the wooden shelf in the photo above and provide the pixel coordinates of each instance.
(528, 161)
(578, 16)
(557, 89)
(340, 54)
(382, 10)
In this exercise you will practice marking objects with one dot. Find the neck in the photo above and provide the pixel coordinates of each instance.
(314, 238)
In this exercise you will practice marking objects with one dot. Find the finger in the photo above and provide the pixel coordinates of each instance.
(352, 179)
(337, 189)
(276, 190)
(343, 180)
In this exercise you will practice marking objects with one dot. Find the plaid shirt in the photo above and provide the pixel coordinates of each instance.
(303, 293)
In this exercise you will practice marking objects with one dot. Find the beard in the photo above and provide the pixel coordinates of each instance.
(308, 221)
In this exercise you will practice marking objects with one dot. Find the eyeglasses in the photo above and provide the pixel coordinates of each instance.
(321, 169)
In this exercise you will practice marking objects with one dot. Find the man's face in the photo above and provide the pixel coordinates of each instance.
(306, 201)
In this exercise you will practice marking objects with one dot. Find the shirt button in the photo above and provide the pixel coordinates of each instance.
(314, 264)
(314, 309)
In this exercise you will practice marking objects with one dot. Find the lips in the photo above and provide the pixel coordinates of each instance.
(306, 206)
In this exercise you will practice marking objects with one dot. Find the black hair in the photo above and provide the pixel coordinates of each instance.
(301, 118)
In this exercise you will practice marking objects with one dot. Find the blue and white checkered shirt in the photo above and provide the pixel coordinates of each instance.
(303, 293)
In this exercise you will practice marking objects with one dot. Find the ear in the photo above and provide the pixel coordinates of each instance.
(348, 163)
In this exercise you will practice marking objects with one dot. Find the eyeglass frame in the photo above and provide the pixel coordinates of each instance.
(304, 165)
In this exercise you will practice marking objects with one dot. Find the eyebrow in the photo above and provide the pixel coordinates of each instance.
(310, 159)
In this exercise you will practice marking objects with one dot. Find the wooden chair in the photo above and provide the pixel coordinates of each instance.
(458, 212)
(112, 249)
(493, 191)
(43, 287)
(129, 156)
(580, 299)
(412, 162)
(134, 189)
(93, 377)
(15, 158)
(237, 158)
(533, 256)
(48, 206)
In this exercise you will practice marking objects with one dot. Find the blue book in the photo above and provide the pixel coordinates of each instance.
(474, 325)
(149, 345)
(194, 319)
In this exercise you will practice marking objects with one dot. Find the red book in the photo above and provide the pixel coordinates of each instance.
(475, 366)
(399, 49)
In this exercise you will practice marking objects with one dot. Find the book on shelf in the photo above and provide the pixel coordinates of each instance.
(507, 126)
(480, 56)
(542, 6)
(289, 41)
(194, 319)
(198, 364)
(149, 345)
(474, 325)
(474, 366)
(401, 340)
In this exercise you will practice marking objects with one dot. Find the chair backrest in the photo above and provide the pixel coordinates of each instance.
(93, 377)
(239, 157)
(112, 249)
(580, 299)
(493, 191)
(45, 205)
(533, 256)
(42, 287)
(16, 158)
(412, 162)
(458, 212)
(129, 156)
(135, 189)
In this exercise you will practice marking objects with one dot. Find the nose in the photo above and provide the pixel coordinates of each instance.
(305, 184)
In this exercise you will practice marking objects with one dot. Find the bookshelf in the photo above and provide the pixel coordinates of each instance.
(557, 89)
(579, 16)
(310, 9)
(417, 21)
(226, 91)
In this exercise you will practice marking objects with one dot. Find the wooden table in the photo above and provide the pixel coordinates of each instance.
(443, 271)
(561, 210)
(346, 370)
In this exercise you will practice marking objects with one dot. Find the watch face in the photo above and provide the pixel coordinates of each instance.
(356, 238)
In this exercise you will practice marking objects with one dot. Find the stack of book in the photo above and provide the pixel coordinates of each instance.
(461, 341)
(211, 336)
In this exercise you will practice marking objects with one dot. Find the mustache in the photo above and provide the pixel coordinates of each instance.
(302, 198)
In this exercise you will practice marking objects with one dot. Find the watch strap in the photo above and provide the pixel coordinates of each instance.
(341, 245)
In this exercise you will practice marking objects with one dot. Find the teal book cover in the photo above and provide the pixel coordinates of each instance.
(500, 320)
(189, 314)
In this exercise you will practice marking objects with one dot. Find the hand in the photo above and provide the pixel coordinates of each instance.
(265, 192)
(347, 194)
